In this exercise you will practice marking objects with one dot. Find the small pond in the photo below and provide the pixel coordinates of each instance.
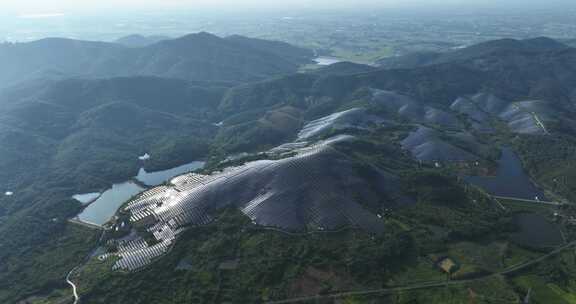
(510, 181)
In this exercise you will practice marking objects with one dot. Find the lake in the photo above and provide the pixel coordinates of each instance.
(104, 208)
(326, 60)
(159, 177)
(510, 181)
(536, 231)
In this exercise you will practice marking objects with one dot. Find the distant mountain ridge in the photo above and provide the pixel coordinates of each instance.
(483, 50)
(200, 56)
(137, 40)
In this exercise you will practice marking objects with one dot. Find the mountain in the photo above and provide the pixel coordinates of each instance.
(71, 124)
(503, 46)
(569, 42)
(483, 50)
(512, 69)
(408, 61)
(137, 41)
(281, 49)
(344, 68)
(201, 56)
(317, 188)
(53, 58)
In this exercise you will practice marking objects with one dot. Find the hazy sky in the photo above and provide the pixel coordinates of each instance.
(48, 6)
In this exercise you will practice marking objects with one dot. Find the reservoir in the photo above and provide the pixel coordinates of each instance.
(103, 206)
(159, 177)
(102, 209)
(510, 179)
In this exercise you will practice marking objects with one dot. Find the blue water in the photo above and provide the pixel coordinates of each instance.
(159, 177)
(510, 179)
(104, 208)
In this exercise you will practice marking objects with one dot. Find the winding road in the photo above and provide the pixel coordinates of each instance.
(74, 291)
(427, 285)
(69, 282)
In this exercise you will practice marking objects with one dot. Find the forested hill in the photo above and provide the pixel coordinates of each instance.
(200, 56)
(514, 69)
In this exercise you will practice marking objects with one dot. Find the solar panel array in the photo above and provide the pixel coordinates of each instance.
(356, 118)
(135, 259)
(315, 190)
(428, 145)
(412, 110)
